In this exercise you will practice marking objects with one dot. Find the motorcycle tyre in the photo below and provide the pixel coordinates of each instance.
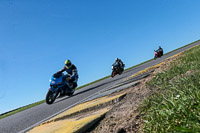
(49, 94)
(71, 92)
(112, 74)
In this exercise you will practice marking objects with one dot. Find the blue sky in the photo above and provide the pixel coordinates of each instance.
(37, 36)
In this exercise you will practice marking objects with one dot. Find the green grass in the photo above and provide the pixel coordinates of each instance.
(20, 109)
(35, 104)
(175, 106)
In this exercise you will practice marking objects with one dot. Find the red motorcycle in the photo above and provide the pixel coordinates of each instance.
(157, 54)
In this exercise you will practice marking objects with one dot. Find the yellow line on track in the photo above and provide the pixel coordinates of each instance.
(63, 124)
(69, 125)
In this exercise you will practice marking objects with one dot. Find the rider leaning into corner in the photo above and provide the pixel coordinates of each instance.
(72, 76)
(120, 63)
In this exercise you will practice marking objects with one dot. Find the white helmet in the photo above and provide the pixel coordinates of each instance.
(116, 59)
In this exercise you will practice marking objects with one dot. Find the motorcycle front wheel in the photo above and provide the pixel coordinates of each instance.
(50, 97)
(155, 57)
(112, 74)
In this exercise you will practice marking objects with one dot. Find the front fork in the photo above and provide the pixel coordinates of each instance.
(54, 93)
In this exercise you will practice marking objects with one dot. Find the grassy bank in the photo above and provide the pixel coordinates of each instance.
(175, 107)
(20, 109)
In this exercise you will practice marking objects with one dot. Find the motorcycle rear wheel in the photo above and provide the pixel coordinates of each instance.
(71, 92)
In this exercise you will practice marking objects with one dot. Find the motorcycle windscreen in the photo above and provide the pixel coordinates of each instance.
(56, 80)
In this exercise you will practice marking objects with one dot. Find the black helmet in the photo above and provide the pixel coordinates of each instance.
(159, 46)
(116, 59)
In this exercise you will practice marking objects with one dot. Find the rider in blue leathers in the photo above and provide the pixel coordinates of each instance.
(72, 75)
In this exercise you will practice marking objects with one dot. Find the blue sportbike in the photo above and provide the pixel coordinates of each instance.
(59, 86)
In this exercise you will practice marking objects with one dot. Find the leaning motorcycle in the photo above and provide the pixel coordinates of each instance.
(156, 54)
(116, 69)
(59, 87)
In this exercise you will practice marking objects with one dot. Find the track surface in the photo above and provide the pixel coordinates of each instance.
(24, 120)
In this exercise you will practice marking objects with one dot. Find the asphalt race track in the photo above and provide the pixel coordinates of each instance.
(29, 118)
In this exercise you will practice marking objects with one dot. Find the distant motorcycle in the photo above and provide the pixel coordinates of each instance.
(116, 69)
(157, 54)
(58, 87)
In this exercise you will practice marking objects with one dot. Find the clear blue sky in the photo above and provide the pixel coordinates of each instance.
(37, 36)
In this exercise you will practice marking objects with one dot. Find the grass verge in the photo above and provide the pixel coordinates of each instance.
(175, 106)
(20, 109)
